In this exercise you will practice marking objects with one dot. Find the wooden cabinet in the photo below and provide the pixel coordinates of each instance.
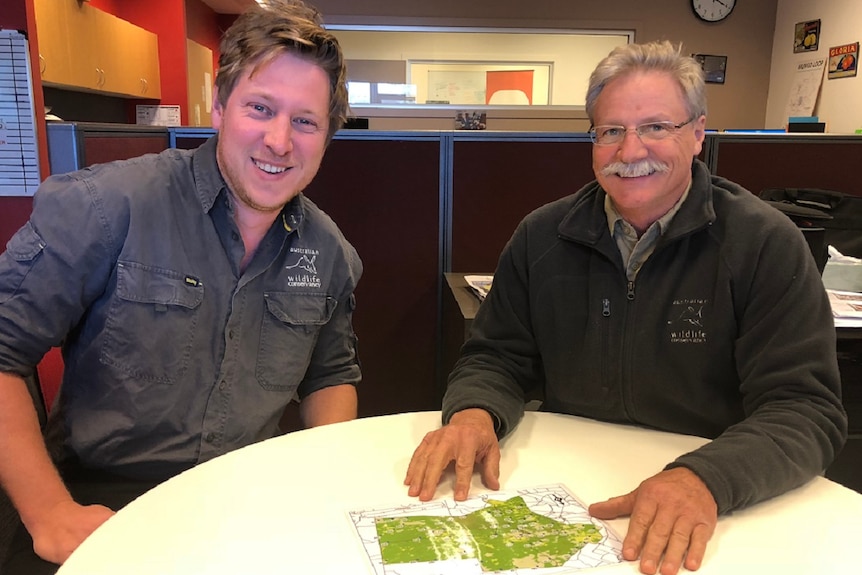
(86, 36)
(54, 48)
(146, 53)
(200, 83)
(135, 65)
(84, 48)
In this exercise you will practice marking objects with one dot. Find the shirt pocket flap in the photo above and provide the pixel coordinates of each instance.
(26, 244)
(146, 284)
(300, 309)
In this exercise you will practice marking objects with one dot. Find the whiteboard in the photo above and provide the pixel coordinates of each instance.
(457, 87)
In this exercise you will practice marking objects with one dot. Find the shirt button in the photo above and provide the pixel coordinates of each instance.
(235, 236)
(230, 334)
(636, 267)
(209, 437)
(222, 385)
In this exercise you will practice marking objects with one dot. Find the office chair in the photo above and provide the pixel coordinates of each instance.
(809, 221)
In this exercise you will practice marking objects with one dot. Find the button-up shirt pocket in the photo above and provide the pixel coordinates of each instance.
(23, 248)
(289, 332)
(164, 302)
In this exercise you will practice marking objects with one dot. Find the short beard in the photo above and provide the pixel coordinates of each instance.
(237, 189)
(634, 170)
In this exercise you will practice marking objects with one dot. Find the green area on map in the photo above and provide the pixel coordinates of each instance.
(504, 535)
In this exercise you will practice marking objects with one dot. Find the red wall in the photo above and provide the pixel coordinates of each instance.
(204, 27)
(167, 19)
(14, 213)
(173, 21)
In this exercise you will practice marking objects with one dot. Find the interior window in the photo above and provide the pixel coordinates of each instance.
(436, 66)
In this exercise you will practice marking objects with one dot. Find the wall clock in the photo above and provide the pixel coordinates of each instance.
(712, 10)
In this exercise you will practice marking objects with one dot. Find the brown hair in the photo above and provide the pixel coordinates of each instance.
(263, 32)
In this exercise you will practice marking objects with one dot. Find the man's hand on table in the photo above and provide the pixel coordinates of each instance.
(673, 516)
(468, 439)
(70, 524)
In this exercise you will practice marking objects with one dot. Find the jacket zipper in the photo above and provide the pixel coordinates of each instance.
(604, 364)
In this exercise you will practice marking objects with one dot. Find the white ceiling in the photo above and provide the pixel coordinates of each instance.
(228, 6)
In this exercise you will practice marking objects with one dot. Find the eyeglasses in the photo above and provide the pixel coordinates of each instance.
(649, 132)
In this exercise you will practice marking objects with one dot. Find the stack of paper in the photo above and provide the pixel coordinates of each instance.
(846, 307)
(479, 284)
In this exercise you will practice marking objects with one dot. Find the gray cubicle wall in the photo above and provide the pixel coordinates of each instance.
(75, 145)
(419, 204)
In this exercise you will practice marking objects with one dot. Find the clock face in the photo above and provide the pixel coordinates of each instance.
(712, 10)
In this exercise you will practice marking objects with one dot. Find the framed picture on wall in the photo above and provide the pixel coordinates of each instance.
(843, 61)
(807, 36)
(714, 67)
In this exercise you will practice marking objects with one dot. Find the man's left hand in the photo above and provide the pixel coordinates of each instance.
(673, 517)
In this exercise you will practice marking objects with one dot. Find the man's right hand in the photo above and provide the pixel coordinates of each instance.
(69, 525)
(467, 439)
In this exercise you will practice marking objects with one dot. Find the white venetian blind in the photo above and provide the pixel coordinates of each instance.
(19, 158)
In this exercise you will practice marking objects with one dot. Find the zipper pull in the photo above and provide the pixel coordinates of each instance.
(630, 294)
(606, 307)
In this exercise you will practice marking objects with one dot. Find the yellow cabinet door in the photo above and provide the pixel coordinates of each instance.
(54, 47)
(85, 29)
(200, 83)
(89, 49)
(150, 67)
(116, 74)
(140, 62)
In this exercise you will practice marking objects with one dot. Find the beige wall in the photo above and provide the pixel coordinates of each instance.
(746, 37)
(838, 103)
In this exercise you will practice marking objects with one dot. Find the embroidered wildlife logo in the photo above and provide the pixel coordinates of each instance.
(305, 263)
(687, 325)
(303, 271)
(692, 315)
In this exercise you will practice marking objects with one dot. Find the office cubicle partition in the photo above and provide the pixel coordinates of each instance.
(419, 204)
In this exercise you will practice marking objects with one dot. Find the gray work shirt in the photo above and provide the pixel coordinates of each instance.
(173, 356)
(633, 249)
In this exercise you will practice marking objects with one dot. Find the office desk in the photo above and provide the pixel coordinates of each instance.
(281, 506)
(458, 310)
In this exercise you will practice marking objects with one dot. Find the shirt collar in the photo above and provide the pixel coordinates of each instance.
(663, 222)
(210, 184)
(208, 179)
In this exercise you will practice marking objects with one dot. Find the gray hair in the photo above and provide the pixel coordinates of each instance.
(659, 56)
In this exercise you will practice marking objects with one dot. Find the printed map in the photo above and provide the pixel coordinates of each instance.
(535, 531)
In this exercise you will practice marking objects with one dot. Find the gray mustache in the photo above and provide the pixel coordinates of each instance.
(642, 168)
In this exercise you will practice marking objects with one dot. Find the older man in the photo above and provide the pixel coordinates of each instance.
(657, 295)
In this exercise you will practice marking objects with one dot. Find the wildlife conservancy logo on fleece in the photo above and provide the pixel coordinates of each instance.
(687, 322)
(302, 269)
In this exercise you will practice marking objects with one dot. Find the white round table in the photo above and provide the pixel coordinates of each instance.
(281, 506)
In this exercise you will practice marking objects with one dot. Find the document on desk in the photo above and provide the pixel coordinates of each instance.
(480, 285)
(536, 531)
(846, 307)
